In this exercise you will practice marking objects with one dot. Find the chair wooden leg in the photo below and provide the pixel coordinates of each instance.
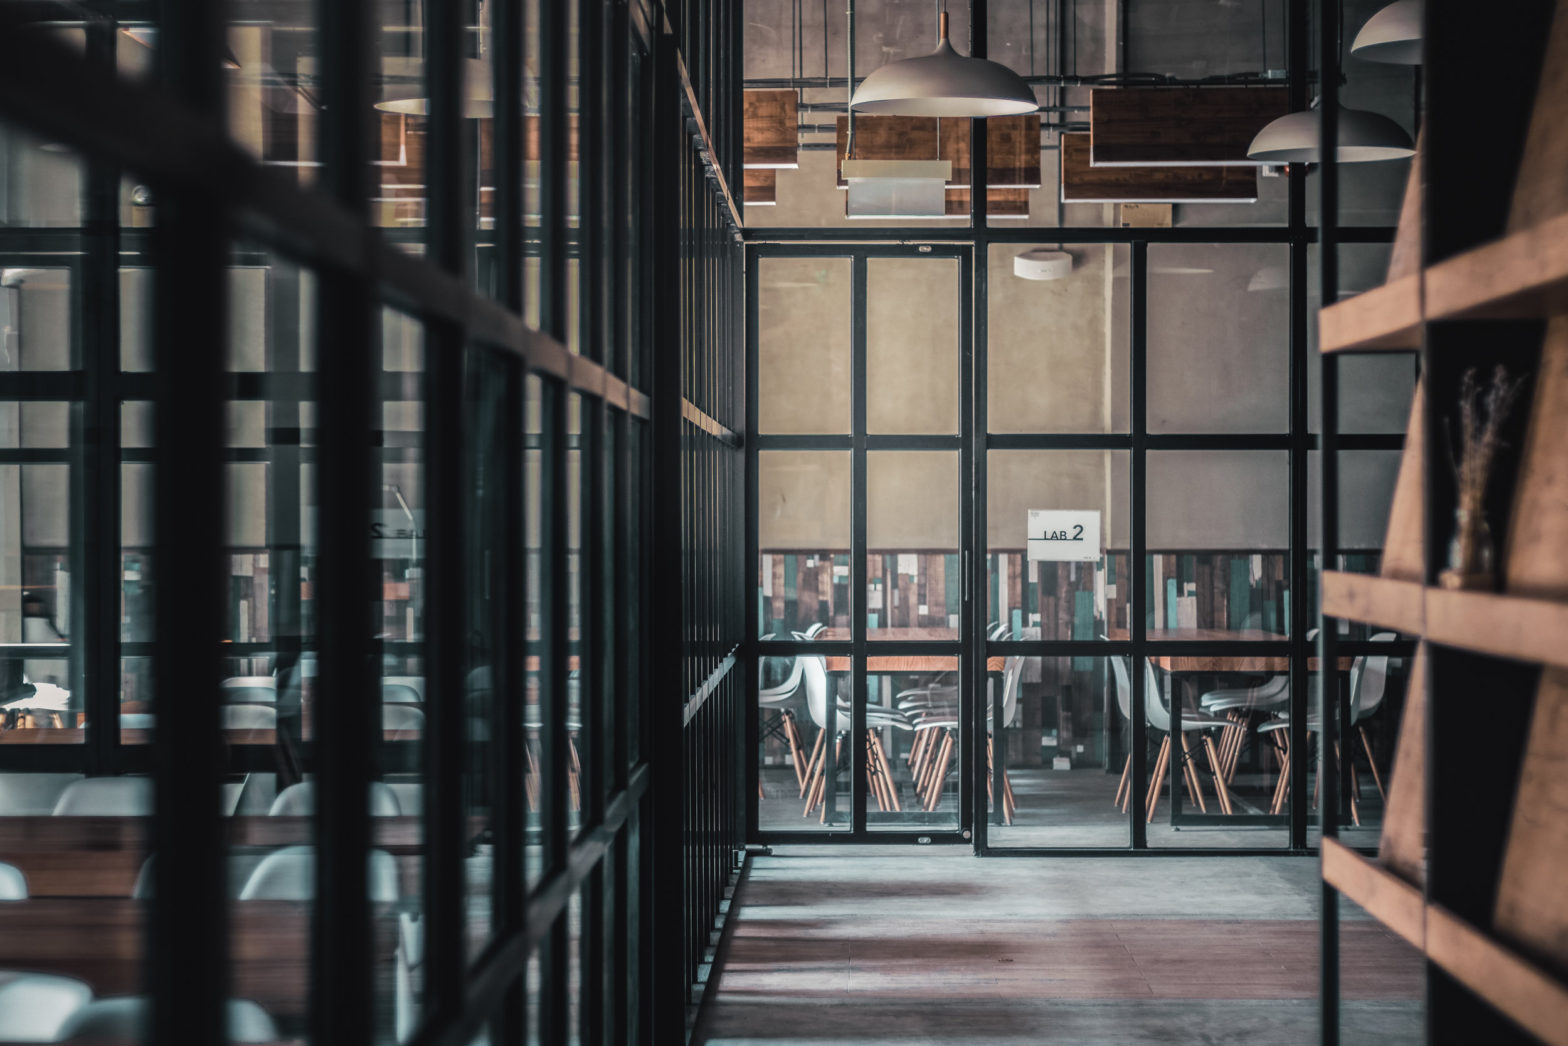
(1191, 771)
(884, 770)
(1009, 801)
(1377, 778)
(1157, 779)
(940, 773)
(796, 749)
(811, 766)
(1218, 770)
(1123, 787)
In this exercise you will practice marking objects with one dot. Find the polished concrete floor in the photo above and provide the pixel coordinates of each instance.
(927, 945)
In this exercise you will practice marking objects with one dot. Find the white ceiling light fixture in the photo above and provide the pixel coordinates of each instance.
(1364, 137)
(1393, 35)
(944, 83)
(897, 188)
(1043, 264)
(410, 99)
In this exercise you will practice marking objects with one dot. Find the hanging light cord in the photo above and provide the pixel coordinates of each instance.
(849, 142)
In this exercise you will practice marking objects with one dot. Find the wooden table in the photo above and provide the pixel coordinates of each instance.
(1175, 666)
(1191, 664)
(102, 856)
(100, 941)
(888, 664)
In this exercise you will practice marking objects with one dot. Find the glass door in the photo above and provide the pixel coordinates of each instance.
(861, 410)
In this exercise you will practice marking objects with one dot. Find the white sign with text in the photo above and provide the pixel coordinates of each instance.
(1060, 535)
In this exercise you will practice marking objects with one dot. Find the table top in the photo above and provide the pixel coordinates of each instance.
(900, 663)
(1211, 663)
(99, 939)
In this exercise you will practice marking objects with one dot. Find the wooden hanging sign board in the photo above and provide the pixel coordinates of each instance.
(1083, 183)
(1180, 126)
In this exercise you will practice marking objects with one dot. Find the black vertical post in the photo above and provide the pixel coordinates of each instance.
(188, 932)
(345, 707)
(1138, 552)
(858, 571)
(95, 475)
(662, 828)
(750, 663)
(1328, 711)
(980, 714)
(1298, 39)
(449, 213)
(974, 317)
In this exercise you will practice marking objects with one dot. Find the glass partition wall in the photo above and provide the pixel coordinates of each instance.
(330, 704)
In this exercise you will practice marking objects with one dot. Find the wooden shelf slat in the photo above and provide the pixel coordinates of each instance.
(1386, 318)
(1374, 600)
(1498, 624)
(1386, 897)
(1522, 276)
(1497, 973)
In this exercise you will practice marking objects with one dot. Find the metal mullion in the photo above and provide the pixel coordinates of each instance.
(955, 443)
(507, 23)
(857, 561)
(30, 386)
(1302, 441)
(592, 575)
(1228, 441)
(751, 659)
(974, 407)
(552, 168)
(187, 926)
(590, 179)
(95, 475)
(508, 889)
(1328, 426)
(1055, 441)
(1138, 553)
(554, 738)
(772, 441)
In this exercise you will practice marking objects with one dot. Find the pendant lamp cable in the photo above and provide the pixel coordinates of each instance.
(849, 78)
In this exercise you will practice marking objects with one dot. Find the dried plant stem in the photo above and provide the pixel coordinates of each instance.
(1482, 413)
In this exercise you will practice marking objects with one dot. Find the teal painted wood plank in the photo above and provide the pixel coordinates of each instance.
(1240, 594)
(1172, 590)
(1083, 627)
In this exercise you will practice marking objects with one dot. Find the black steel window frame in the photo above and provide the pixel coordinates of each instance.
(213, 196)
(1298, 441)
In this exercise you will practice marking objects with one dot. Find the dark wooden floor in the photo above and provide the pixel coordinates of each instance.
(922, 946)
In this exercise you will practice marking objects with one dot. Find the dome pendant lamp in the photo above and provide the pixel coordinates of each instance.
(1364, 137)
(944, 83)
(1393, 35)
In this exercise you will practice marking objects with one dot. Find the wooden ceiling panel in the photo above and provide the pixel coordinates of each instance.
(1082, 183)
(769, 131)
(761, 187)
(1012, 146)
(1180, 126)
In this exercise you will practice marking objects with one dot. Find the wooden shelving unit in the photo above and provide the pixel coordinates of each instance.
(1522, 276)
(1475, 834)
(1493, 623)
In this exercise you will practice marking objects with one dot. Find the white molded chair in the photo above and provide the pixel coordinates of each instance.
(25, 794)
(106, 797)
(775, 699)
(249, 690)
(13, 887)
(34, 1007)
(249, 717)
(399, 694)
(402, 717)
(299, 800)
(414, 683)
(125, 1018)
(1158, 717)
(289, 874)
(878, 772)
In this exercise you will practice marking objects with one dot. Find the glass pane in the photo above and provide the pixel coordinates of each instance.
(1219, 338)
(912, 564)
(804, 772)
(803, 347)
(268, 695)
(1375, 389)
(273, 70)
(912, 336)
(576, 591)
(1057, 539)
(1218, 534)
(803, 533)
(399, 548)
(1366, 493)
(532, 169)
(43, 182)
(484, 515)
(1396, 1007)
(1057, 350)
(35, 306)
(1227, 757)
(533, 568)
(1063, 740)
(913, 758)
(37, 649)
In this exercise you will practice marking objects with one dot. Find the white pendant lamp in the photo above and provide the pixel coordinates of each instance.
(1393, 35)
(944, 83)
(1042, 264)
(478, 93)
(1364, 137)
